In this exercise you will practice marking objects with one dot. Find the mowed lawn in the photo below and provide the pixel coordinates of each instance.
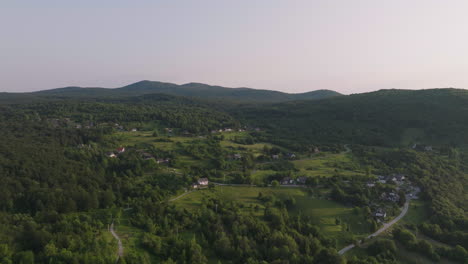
(324, 212)
(328, 164)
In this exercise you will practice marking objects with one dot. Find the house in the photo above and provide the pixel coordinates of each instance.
(146, 156)
(228, 130)
(380, 213)
(286, 181)
(162, 161)
(111, 154)
(391, 178)
(428, 148)
(400, 177)
(237, 156)
(316, 150)
(203, 181)
(134, 130)
(370, 184)
(301, 180)
(381, 179)
(291, 155)
(121, 150)
(276, 156)
(391, 197)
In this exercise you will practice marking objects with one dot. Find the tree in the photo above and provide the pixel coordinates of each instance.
(24, 257)
(328, 256)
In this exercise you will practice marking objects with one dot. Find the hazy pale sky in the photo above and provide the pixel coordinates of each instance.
(290, 45)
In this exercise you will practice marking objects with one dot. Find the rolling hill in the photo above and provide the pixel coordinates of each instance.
(197, 90)
(385, 117)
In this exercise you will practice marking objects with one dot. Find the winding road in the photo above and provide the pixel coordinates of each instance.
(121, 249)
(382, 229)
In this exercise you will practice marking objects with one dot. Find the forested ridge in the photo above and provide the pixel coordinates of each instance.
(384, 118)
(61, 188)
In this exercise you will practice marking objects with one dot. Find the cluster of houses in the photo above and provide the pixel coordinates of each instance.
(227, 130)
(202, 182)
(290, 181)
(148, 156)
(144, 155)
(390, 197)
(422, 147)
(287, 155)
(394, 178)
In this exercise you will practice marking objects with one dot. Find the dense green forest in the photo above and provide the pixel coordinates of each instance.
(303, 177)
(382, 118)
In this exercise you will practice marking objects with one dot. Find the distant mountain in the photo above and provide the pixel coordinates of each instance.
(198, 90)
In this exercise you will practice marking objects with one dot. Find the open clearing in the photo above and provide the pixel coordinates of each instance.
(326, 165)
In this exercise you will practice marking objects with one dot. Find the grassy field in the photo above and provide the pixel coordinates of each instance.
(258, 175)
(146, 137)
(322, 164)
(327, 165)
(324, 212)
(418, 212)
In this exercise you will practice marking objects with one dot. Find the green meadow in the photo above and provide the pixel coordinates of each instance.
(328, 164)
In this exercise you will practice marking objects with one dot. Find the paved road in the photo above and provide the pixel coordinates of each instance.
(253, 185)
(121, 249)
(382, 229)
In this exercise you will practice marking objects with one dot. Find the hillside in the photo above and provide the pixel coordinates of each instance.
(197, 90)
(385, 117)
(73, 165)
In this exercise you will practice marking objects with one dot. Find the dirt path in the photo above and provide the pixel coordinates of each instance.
(382, 229)
(121, 249)
(180, 196)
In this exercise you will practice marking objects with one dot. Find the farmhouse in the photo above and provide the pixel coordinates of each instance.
(275, 156)
(200, 183)
(203, 181)
(121, 150)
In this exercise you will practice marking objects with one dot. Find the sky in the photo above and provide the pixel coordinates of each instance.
(349, 46)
